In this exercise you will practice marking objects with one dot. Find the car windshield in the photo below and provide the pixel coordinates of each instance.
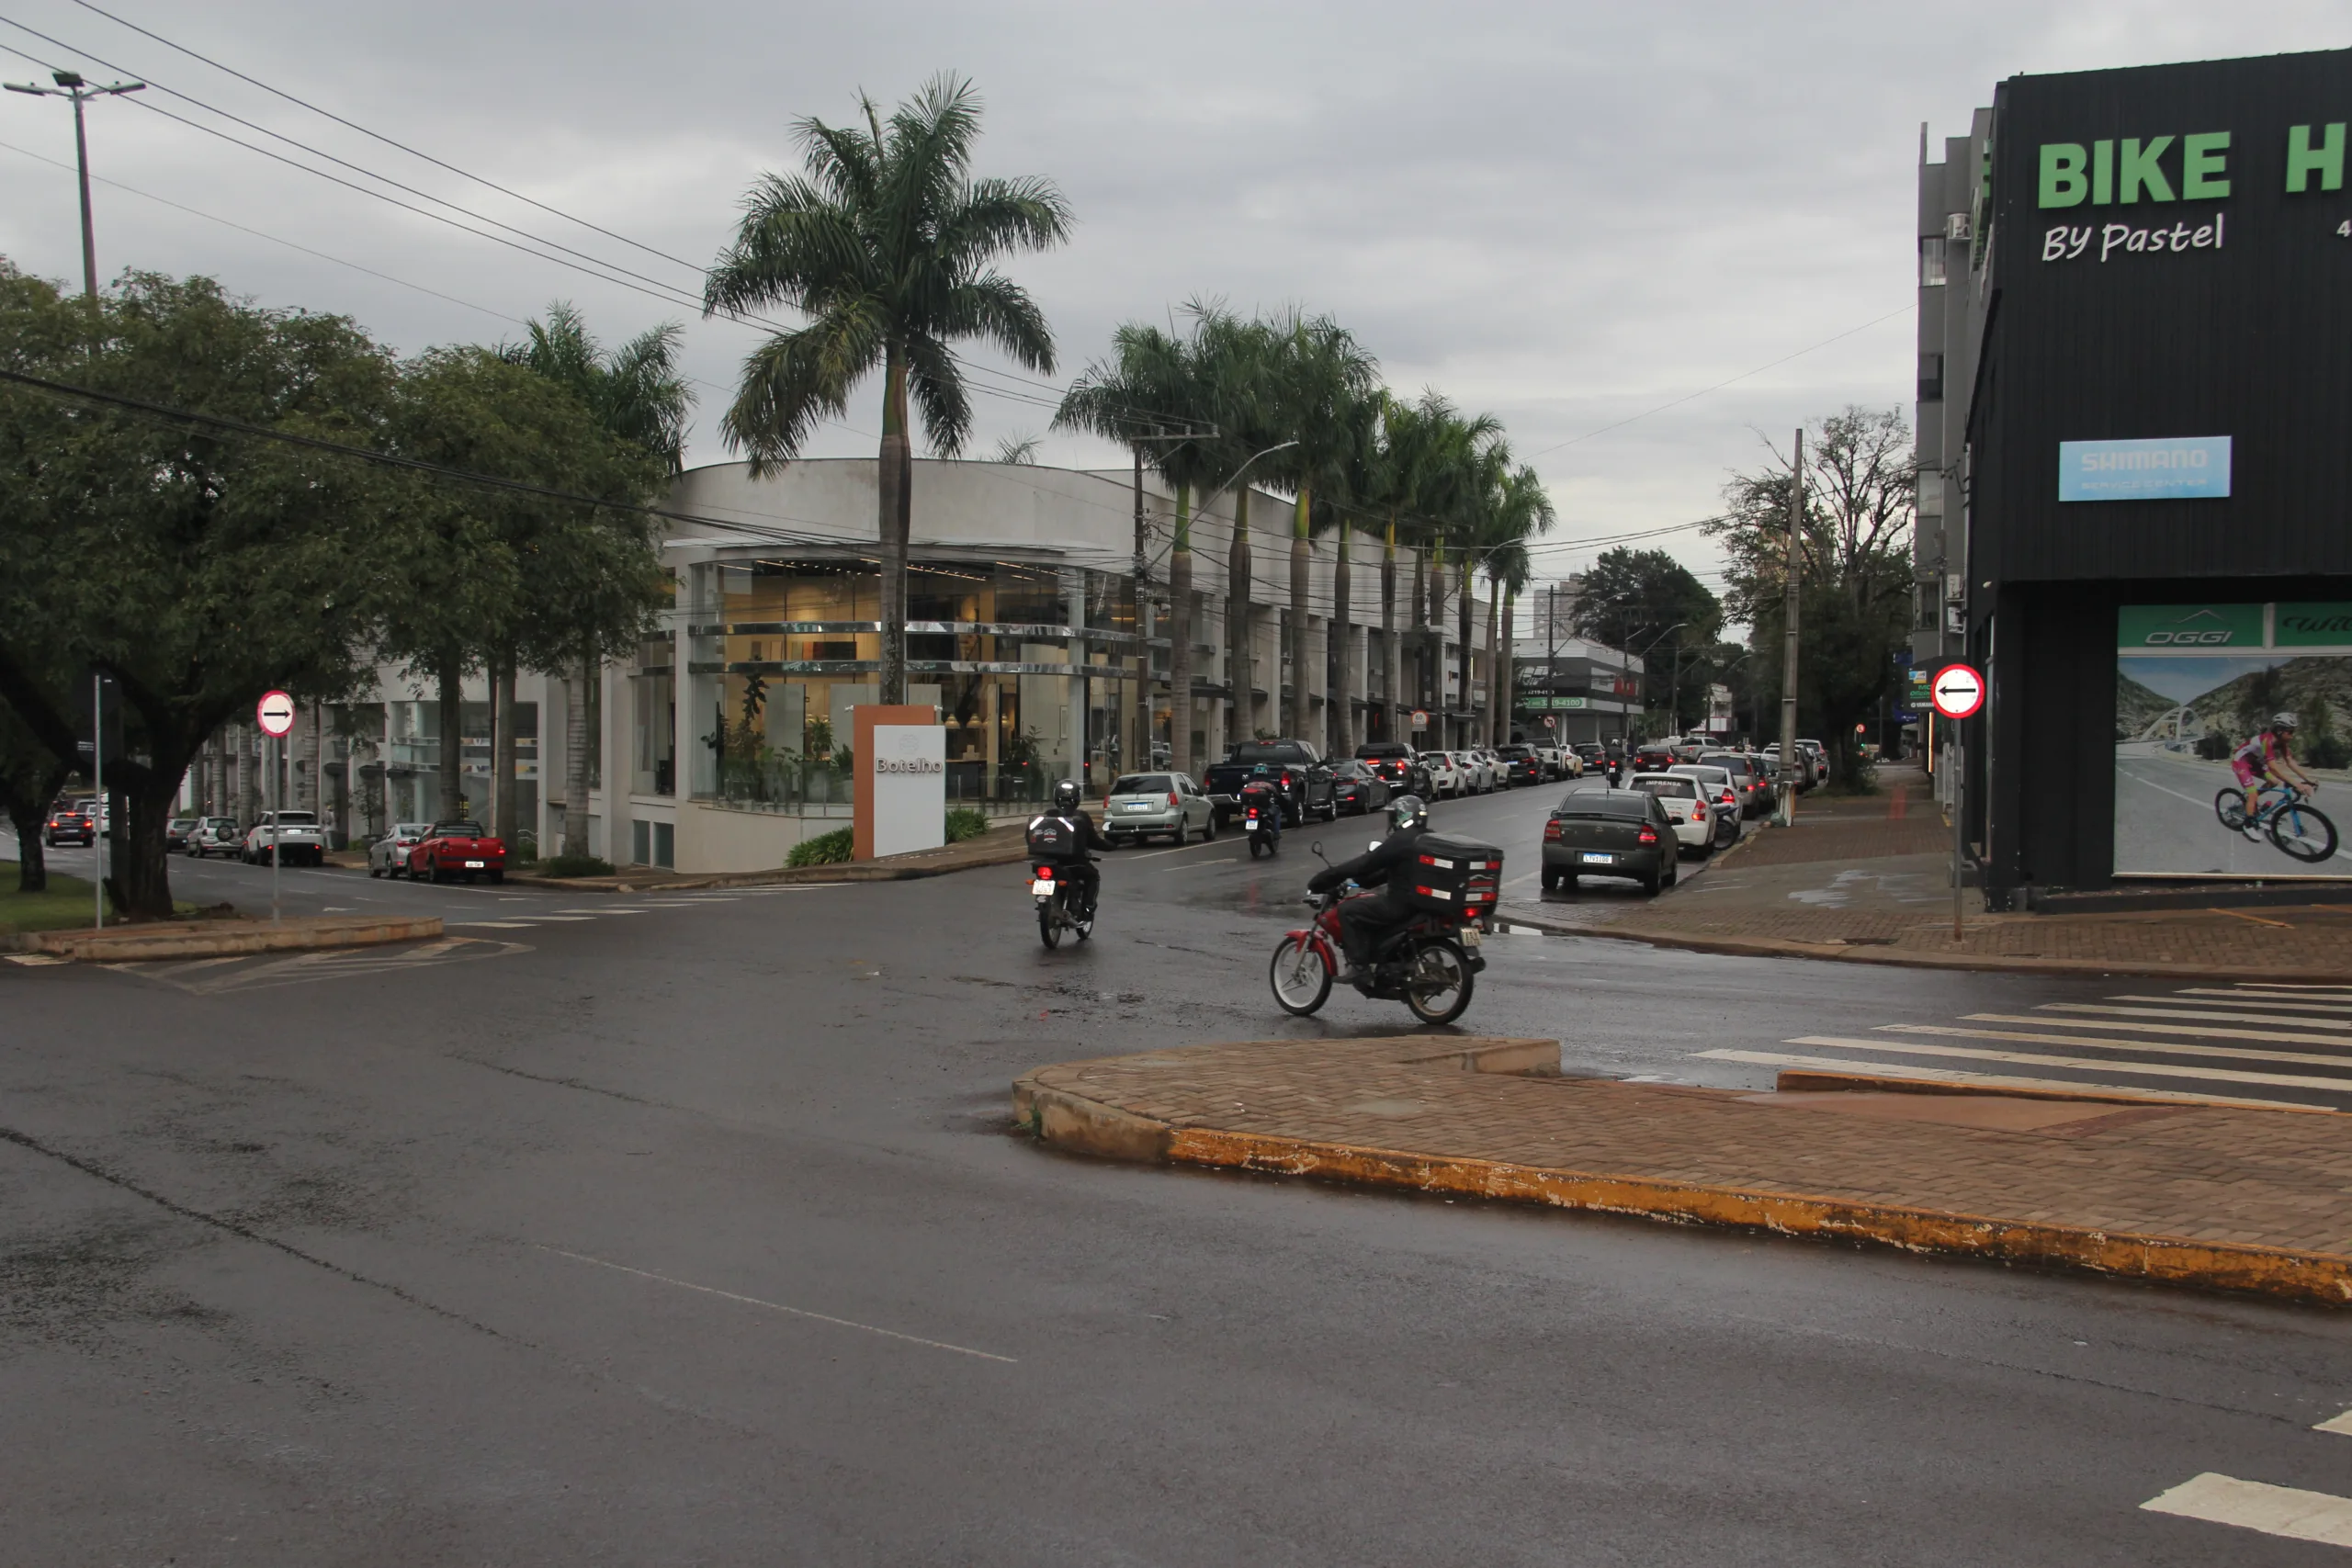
(1383, 750)
(458, 831)
(298, 819)
(1673, 788)
(1516, 752)
(1144, 783)
(1594, 806)
(223, 822)
(1269, 752)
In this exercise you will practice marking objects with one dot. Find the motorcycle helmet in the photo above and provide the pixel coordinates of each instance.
(2282, 721)
(1407, 811)
(1065, 795)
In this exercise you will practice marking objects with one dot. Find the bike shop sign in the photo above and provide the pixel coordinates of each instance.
(2193, 683)
(2184, 468)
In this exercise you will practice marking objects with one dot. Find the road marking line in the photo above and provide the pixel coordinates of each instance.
(495, 925)
(34, 958)
(2085, 1064)
(2255, 919)
(2251, 999)
(572, 918)
(2161, 1047)
(2336, 1424)
(778, 1306)
(1986, 1080)
(2217, 1014)
(2287, 1511)
(2200, 1031)
(596, 914)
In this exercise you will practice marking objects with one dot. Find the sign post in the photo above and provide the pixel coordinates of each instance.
(1958, 693)
(275, 713)
(101, 820)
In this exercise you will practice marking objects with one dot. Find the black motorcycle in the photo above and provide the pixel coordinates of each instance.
(1059, 905)
(1430, 963)
(1262, 820)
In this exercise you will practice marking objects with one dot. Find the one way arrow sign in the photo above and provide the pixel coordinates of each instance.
(1958, 691)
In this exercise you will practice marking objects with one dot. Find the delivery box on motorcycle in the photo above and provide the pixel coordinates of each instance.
(1053, 837)
(1456, 876)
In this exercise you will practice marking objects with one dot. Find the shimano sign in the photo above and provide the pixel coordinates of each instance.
(2177, 469)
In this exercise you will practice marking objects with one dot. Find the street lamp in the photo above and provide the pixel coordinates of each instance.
(1674, 698)
(71, 86)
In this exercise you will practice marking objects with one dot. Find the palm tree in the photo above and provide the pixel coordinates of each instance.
(1158, 395)
(637, 393)
(1408, 483)
(886, 244)
(1316, 375)
(1522, 509)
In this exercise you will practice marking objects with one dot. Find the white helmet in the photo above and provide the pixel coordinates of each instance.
(2282, 721)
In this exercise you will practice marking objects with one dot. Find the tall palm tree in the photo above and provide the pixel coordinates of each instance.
(638, 394)
(1522, 510)
(1410, 484)
(1157, 394)
(886, 245)
(1316, 374)
(1232, 357)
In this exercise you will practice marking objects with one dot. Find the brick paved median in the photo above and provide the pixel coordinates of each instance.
(2199, 1194)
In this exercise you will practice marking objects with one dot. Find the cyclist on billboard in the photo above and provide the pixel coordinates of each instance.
(2265, 761)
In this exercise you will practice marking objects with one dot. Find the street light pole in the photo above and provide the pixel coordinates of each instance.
(1793, 565)
(70, 85)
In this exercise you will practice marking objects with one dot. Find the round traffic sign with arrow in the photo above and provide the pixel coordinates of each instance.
(1958, 691)
(275, 713)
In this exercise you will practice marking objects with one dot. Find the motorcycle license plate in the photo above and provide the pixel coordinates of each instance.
(473, 865)
(1592, 858)
(1043, 889)
(1471, 935)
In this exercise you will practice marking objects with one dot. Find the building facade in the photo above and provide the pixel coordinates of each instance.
(2132, 393)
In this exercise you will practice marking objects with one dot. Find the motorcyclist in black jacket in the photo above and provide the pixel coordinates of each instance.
(1365, 921)
(1084, 838)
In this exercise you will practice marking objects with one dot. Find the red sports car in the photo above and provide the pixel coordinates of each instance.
(456, 849)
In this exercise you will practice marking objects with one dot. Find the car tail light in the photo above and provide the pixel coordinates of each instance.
(1699, 812)
(1648, 835)
(1171, 800)
(1551, 830)
(1728, 799)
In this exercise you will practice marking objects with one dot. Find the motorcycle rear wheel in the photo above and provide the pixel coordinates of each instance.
(1301, 976)
(1049, 925)
(1439, 982)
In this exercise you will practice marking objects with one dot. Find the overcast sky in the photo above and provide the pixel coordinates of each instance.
(1566, 214)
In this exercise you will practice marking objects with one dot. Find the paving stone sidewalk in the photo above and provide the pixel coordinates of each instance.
(2196, 1193)
(1867, 878)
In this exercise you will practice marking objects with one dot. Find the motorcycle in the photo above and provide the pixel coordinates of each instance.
(1430, 963)
(1264, 825)
(1057, 909)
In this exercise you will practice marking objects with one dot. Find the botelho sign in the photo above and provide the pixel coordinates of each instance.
(2153, 172)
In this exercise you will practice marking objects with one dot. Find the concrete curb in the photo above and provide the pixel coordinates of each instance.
(1087, 1126)
(1781, 947)
(841, 871)
(1815, 1080)
(225, 938)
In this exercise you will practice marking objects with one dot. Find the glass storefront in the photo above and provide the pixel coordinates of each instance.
(783, 650)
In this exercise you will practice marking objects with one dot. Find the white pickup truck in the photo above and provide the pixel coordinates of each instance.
(295, 837)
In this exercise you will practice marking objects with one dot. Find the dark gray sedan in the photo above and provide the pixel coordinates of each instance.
(1610, 832)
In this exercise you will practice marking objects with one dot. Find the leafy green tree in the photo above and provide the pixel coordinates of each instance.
(590, 603)
(886, 245)
(1647, 603)
(1521, 509)
(30, 776)
(1411, 486)
(198, 567)
(1854, 580)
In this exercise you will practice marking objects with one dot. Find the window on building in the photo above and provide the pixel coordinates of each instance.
(1931, 377)
(1932, 261)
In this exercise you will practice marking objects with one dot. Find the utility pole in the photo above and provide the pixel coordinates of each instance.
(1789, 571)
(1140, 685)
(71, 86)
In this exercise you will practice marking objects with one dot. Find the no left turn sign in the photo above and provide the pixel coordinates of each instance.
(1958, 691)
(275, 713)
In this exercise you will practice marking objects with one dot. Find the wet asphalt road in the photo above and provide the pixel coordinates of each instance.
(698, 1234)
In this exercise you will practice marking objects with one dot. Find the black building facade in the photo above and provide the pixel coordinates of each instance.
(2140, 521)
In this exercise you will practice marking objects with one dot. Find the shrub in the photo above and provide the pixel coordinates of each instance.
(574, 865)
(825, 848)
(962, 823)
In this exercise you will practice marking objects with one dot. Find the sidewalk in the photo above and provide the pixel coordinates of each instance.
(998, 846)
(1868, 879)
(2193, 1193)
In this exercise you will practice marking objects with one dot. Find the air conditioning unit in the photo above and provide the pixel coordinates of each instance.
(1956, 226)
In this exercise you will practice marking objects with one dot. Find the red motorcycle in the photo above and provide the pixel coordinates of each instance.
(1430, 963)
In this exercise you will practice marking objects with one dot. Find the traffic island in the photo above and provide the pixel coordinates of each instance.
(2184, 1194)
(228, 938)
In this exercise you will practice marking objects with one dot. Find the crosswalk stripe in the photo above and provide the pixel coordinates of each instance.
(2093, 1042)
(2083, 1064)
(2287, 1511)
(2342, 1424)
(568, 919)
(1991, 1081)
(2196, 1031)
(2274, 1020)
(495, 925)
(2314, 1000)
(2264, 1004)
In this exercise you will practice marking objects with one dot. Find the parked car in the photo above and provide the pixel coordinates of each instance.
(1359, 788)
(290, 838)
(216, 836)
(1597, 831)
(1686, 802)
(177, 831)
(451, 850)
(1477, 772)
(1445, 774)
(1299, 773)
(1752, 774)
(1819, 756)
(1399, 766)
(388, 856)
(1148, 806)
(1724, 791)
(1593, 760)
(1521, 765)
(69, 824)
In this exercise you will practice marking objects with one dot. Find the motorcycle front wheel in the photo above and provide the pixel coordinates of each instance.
(1300, 975)
(1438, 985)
(1049, 925)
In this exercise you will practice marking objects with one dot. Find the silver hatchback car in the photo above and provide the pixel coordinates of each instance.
(1142, 805)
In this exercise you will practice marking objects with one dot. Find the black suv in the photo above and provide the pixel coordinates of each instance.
(1520, 765)
(1399, 765)
(1298, 769)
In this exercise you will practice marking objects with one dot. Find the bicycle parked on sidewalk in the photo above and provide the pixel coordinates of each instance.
(2283, 814)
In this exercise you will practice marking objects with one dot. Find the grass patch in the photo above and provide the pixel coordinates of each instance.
(962, 823)
(573, 865)
(825, 848)
(66, 905)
